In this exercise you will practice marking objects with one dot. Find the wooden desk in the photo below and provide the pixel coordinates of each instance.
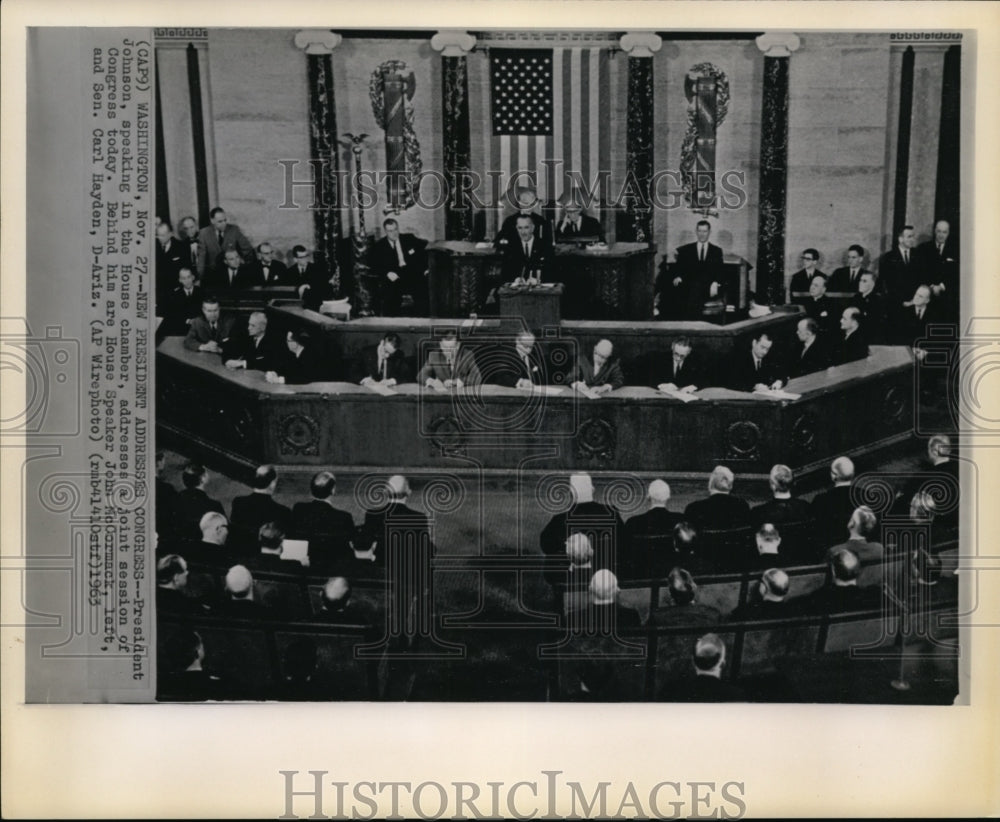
(237, 417)
(618, 279)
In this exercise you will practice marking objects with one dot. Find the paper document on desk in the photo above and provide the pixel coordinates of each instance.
(384, 390)
(295, 550)
(546, 390)
(683, 396)
(773, 394)
(589, 393)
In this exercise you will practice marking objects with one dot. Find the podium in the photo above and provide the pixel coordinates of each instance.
(538, 305)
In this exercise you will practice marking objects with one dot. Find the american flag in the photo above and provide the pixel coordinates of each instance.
(550, 104)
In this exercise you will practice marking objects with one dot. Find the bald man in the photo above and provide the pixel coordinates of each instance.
(602, 374)
(841, 593)
(337, 605)
(601, 523)
(393, 520)
(255, 350)
(239, 600)
(833, 507)
(720, 510)
(706, 684)
(770, 601)
(603, 614)
(686, 609)
(648, 547)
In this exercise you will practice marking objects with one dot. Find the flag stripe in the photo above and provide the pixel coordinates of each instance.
(567, 120)
(595, 116)
(575, 152)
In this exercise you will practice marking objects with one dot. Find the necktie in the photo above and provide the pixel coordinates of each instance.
(756, 364)
(701, 252)
(527, 251)
(187, 292)
(381, 368)
(854, 274)
(399, 254)
(220, 239)
(267, 273)
(232, 275)
(678, 362)
(214, 335)
(906, 256)
(941, 250)
(920, 313)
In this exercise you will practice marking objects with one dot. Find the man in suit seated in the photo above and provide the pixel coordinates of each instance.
(600, 522)
(719, 510)
(541, 229)
(519, 366)
(330, 532)
(166, 504)
(833, 507)
(799, 284)
(183, 304)
(171, 257)
(450, 365)
(256, 350)
(782, 507)
(603, 614)
(266, 270)
(698, 276)
(939, 260)
(238, 600)
(852, 344)
(707, 684)
(772, 590)
(871, 304)
(230, 273)
(171, 585)
(860, 528)
(525, 259)
(579, 566)
(810, 352)
(192, 502)
(251, 511)
(187, 233)
(312, 278)
(384, 363)
(686, 609)
(914, 316)
(181, 675)
(216, 239)
(841, 593)
(270, 545)
(301, 366)
(938, 473)
(212, 549)
(683, 371)
(212, 330)
(753, 370)
(576, 225)
(637, 561)
(337, 606)
(845, 280)
(398, 264)
(899, 269)
(603, 375)
(396, 523)
(819, 306)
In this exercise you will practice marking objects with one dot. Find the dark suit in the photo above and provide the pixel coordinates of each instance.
(277, 273)
(610, 373)
(507, 367)
(697, 277)
(166, 503)
(222, 278)
(824, 312)
(874, 315)
(760, 609)
(200, 332)
(801, 280)
(743, 375)
(718, 512)
(463, 367)
(516, 264)
(909, 328)
(383, 259)
(593, 618)
(779, 511)
(701, 688)
(395, 524)
(900, 279)
(832, 599)
(395, 368)
(542, 232)
(330, 532)
(692, 614)
(191, 505)
(265, 354)
(317, 281)
(589, 227)
(841, 282)
(211, 251)
(690, 372)
(870, 554)
(942, 268)
(169, 262)
(181, 307)
(602, 525)
(832, 509)
(305, 367)
(252, 511)
(639, 559)
(850, 348)
(807, 360)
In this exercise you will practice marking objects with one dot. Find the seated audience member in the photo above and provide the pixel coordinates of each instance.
(841, 593)
(603, 614)
(182, 676)
(845, 280)
(575, 225)
(256, 350)
(772, 589)
(230, 273)
(603, 374)
(686, 609)
(899, 269)
(399, 266)
(216, 239)
(938, 258)
(600, 522)
(782, 507)
(819, 306)
(166, 503)
(810, 352)
(212, 330)
(643, 559)
(833, 507)
(450, 365)
(266, 270)
(517, 367)
(192, 502)
(860, 527)
(212, 550)
(187, 233)
(683, 371)
(171, 587)
(686, 551)
(526, 258)
(312, 279)
(707, 684)
(698, 276)
(801, 279)
(182, 304)
(914, 316)
(302, 365)
(768, 553)
(753, 369)
(928, 587)
(337, 606)
(238, 599)
(852, 344)
(330, 532)
(251, 511)
(270, 539)
(384, 363)
(580, 554)
(939, 474)
(871, 304)
(394, 521)
(719, 510)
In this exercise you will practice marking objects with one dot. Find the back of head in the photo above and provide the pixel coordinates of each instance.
(709, 652)
(192, 475)
(336, 593)
(845, 565)
(399, 487)
(209, 524)
(603, 587)
(775, 582)
(682, 586)
(922, 506)
(685, 537)
(583, 487)
(263, 477)
(659, 493)
(842, 469)
(721, 480)
(270, 536)
(169, 567)
(863, 521)
(239, 582)
(780, 479)
(939, 446)
(323, 485)
(578, 549)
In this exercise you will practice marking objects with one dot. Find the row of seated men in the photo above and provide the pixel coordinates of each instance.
(295, 358)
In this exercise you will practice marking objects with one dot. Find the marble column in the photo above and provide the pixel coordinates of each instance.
(318, 46)
(640, 48)
(777, 49)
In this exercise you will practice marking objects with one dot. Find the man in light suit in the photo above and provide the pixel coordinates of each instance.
(221, 236)
(449, 366)
(399, 265)
(603, 375)
(698, 275)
